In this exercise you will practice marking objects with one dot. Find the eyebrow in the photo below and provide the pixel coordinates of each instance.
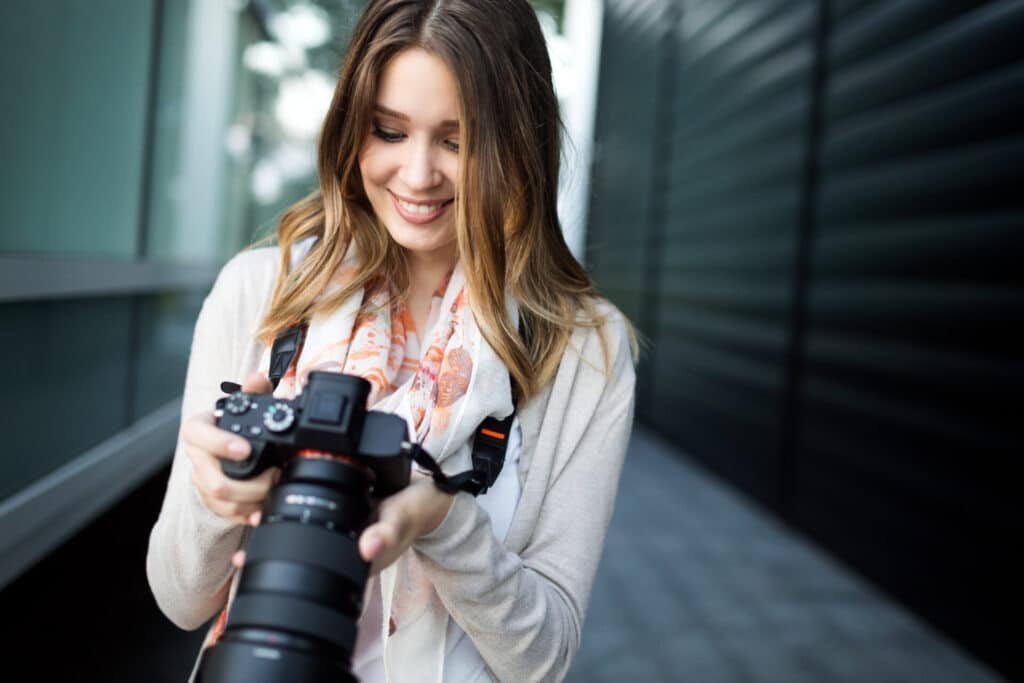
(380, 108)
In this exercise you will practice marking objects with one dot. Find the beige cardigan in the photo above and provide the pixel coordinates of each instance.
(522, 602)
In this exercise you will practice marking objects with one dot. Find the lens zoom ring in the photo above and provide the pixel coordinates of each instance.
(311, 545)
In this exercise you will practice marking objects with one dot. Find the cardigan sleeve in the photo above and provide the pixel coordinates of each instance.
(188, 563)
(524, 611)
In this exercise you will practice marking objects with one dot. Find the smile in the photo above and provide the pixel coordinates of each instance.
(419, 212)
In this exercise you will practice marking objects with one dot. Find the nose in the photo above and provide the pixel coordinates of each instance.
(420, 170)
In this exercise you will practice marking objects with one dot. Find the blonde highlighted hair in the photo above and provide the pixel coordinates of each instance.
(508, 234)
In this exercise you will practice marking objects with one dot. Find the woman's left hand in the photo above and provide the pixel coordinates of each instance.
(414, 511)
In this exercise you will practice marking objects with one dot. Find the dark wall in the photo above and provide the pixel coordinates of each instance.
(812, 210)
(85, 613)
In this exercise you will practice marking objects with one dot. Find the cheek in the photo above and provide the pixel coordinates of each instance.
(373, 166)
(451, 169)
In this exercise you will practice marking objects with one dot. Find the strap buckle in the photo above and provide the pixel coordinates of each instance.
(489, 447)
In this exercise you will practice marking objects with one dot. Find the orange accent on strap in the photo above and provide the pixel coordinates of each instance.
(492, 434)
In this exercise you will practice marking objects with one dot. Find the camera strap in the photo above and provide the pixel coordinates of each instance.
(284, 350)
(489, 446)
(489, 443)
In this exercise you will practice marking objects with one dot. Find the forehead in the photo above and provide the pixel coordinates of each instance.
(420, 85)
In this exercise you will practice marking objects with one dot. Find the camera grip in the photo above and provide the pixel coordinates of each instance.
(259, 460)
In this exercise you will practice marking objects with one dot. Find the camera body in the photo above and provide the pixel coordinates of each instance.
(299, 595)
(329, 416)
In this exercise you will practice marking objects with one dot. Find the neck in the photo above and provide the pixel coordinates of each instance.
(427, 271)
(425, 276)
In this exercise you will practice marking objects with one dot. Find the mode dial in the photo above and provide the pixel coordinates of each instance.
(279, 417)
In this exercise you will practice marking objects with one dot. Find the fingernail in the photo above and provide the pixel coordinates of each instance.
(238, 448)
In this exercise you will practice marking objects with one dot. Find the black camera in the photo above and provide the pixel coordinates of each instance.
(293, 617)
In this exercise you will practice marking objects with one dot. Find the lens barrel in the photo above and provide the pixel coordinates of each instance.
(293, 617)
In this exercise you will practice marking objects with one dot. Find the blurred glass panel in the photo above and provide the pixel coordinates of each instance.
(288, 58)
(242, 93)
(75, 78)
(251, 100)
(66, 374)
(166, 322)
(195, 81)
(168, 184)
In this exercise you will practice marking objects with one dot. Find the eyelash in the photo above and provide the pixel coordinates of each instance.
(388, 136)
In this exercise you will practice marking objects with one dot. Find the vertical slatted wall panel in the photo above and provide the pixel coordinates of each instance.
(910, 416)
(835, 202)
(621, 200)
(742, 97)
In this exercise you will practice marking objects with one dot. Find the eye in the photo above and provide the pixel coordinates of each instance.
(387, 135)
(452, 145)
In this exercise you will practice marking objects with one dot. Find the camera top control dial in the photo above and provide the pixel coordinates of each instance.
(279, 417)
(237, 404)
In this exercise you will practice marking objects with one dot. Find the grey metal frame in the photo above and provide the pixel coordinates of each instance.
(38, 518)
(36, 277)
(44, 514)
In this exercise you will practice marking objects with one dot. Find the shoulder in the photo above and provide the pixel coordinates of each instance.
(598, 359)
(609, 345)
(591, 392)
(241, 292)
(255, 269)
(249, 273)
(249, 267)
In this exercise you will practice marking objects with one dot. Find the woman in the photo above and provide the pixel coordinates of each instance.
(430, 262)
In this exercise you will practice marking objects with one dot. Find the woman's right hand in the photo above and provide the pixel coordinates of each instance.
(232, 499)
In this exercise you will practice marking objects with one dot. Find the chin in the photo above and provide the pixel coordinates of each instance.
(419, 239)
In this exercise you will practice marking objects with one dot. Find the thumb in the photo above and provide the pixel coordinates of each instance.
(257, 383)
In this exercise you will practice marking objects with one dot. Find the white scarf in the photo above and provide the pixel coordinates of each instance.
(458, 381)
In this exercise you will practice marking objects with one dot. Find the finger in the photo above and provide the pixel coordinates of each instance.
(209, 476)
(241, 512)
(214, 440)
(238, 513)
(255, 518)
(382, 542)
(378, 546)
(252, 491)
(238, 559)
(371, 543)
(257, 383)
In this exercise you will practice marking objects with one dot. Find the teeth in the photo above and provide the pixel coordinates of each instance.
(423, 209)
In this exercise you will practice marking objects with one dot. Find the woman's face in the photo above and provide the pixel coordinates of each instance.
(410, 160)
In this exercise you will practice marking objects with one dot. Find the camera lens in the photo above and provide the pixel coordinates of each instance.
(294, 613)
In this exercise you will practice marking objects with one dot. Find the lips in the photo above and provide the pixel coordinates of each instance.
(419, 212)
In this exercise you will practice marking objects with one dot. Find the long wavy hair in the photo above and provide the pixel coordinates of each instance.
(508, 233)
